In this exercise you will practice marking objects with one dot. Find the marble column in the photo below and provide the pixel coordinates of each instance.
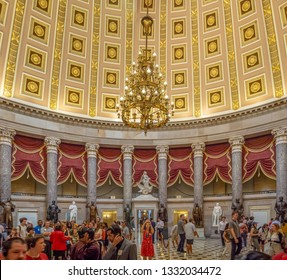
(198, 149)
(6, 139)
(281, 162)
(162, 151)
(127, 151)
(236, 158)
(92, 155)
(52, 144)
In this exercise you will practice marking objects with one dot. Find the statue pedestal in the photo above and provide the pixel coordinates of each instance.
(200, 232)
(213, 234)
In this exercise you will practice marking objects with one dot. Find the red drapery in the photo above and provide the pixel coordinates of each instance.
(217, 162)
(109, 165)
(72, 161)
(29, 153)
(145, 160)
(180, 166)
(259, 153)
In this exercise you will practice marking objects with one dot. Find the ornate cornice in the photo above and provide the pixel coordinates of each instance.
(127, 151)
(6, 136)
(236, 144)
(280, 135)
(52, 144)
(92, 150)
(198, 149)
(90, 122)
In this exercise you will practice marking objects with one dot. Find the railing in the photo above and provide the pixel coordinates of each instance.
(134, 195)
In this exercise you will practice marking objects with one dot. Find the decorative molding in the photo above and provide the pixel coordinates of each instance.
(52, 144)
(94, 60)
(16, 107)
(280, 135)
(13, 49)
(92, 150)
(58, 54)
(236, 144)
(163, 37)
(198, 149)
(127, 151)
(231, 55)
(273, 49)
(6, 136)
(196, 61)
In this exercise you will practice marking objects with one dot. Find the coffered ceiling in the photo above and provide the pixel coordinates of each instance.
(72, 56)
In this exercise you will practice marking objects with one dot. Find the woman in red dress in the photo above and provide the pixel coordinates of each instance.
(147, 250)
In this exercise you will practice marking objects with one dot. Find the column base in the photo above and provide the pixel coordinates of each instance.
(215, 234)
(200, 232)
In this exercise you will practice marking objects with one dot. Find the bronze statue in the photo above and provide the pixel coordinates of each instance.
(162, 213)
(127, 212)
(197, 215)
(93, 211)
(52, 212)
(8, 208)
(280, 209)
(238, 207)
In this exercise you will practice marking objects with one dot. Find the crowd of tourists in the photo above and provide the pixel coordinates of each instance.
(270, 239)
(92, 240)
(95, 240)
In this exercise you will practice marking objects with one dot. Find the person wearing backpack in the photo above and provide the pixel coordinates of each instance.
(263, 233)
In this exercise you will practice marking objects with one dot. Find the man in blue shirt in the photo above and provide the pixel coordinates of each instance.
(37, 228)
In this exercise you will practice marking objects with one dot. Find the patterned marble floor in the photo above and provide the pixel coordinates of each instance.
(202, 249)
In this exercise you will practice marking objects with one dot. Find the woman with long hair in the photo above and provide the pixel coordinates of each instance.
(263, 233)
(254, 234)
(147, 250)
(275, 240)
(226, 237)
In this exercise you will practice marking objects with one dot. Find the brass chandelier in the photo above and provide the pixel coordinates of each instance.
(145, 104)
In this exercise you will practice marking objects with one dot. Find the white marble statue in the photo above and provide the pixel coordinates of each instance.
(74, 211)
(144, 185)
(216, 214)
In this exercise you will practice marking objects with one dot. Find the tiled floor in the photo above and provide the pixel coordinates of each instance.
(208, 249)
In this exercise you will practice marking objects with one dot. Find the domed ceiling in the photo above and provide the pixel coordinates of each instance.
(72, 56)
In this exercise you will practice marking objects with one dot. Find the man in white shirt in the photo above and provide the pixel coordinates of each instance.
(125, 230)
(159, 227)
(22, 228)
(221, 229)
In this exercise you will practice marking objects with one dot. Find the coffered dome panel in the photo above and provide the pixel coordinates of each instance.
(71, 57)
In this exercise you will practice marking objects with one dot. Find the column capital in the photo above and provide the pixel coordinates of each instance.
(127, 151)
(162, 151)
(236, 144)
(280, 135)
(198, 149)
(52, 144)
(92, 149)
(6, 136)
